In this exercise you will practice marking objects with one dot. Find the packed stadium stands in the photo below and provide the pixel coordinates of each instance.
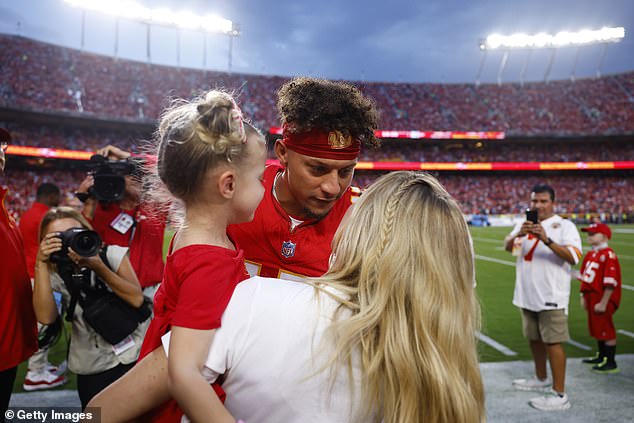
(57, 97)
(39, 76)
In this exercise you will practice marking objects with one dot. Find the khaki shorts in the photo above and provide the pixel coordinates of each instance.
(549, 326)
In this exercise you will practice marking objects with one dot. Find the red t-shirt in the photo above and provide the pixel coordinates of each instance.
(600, 269)
(30, 228)
(144, 238)
(271, 249)
(18, 336)
(198, 284)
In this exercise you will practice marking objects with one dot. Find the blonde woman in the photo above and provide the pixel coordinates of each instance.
(96, 362)
(386, 335)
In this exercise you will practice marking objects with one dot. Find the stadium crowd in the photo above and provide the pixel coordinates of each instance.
(98, 86)
(609, 196)
(92, 138)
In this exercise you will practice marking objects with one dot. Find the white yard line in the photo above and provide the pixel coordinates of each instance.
(494, 260)
(628, 287)
(579, 345)
(495, 344)
(626, 333)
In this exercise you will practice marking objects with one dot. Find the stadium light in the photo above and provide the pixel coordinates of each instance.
(132, 10)
(544, 40)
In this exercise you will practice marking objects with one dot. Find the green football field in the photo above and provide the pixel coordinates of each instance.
(501, 324)
(495, 272)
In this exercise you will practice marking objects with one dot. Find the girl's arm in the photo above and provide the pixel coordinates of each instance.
(43, 300)
(124, 282)
(187, 355)
(137, 392)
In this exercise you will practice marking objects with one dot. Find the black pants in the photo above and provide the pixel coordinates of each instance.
(90, 385)
(7, 378)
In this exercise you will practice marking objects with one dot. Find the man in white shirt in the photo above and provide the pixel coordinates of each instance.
(545, 250)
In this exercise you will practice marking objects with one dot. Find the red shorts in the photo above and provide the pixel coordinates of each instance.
(601, 326)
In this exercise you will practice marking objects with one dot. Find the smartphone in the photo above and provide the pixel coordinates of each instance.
(531, 215)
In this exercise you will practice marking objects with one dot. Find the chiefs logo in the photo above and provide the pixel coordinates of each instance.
(338, 140)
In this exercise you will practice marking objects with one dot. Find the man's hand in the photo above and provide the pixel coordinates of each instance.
(111, 152)
(86, 184)
(525, 229)
(537, 230)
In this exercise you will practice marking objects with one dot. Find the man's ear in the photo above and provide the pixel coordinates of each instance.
(281, 151)
(226, 184)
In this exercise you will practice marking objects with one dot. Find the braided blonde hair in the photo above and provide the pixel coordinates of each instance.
(405, 263)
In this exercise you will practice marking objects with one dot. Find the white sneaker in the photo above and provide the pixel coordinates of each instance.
(59, 369)
(532, 384)
(35, 381)
(551, 401)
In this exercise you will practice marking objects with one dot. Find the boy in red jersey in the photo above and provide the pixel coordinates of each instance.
(601, 294)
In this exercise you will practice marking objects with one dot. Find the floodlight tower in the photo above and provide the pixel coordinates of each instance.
(131, 10)
(543, 40)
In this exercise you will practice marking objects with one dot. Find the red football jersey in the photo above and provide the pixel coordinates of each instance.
(272, 249)
(143, 234)
(600, 268)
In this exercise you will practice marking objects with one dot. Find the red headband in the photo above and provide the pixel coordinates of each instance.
(322, 144)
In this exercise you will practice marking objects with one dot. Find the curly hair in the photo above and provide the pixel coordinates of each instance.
(308, 103)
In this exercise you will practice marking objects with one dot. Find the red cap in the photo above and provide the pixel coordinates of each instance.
(598, 228)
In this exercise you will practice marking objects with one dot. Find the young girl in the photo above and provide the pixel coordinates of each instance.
(212, 162)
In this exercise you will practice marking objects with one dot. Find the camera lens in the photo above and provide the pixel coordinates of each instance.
(86, 243)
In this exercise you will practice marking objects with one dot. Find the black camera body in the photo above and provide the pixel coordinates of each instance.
(109, 176)
(531, 215)
(84, 242)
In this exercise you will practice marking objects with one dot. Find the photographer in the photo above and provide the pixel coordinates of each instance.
(123, 219)
(96, 361)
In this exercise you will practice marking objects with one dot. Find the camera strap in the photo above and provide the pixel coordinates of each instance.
(80, 280)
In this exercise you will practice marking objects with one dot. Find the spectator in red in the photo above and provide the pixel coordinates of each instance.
(129, 223)
(41, 374)
(17, 318)
(47, 196)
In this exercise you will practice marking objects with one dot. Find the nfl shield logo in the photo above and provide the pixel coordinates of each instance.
(288, 249)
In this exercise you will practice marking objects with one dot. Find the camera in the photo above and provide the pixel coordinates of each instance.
(84, 242)
(531, 215)
(109, 177)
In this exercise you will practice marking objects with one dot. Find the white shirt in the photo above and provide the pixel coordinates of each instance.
(542, 278)
(269, 347)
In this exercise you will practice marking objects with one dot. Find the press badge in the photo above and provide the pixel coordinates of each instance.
(124, 345)
(122, 223)
(58, 301)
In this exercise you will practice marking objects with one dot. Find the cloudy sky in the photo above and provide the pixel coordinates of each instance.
(396, 40)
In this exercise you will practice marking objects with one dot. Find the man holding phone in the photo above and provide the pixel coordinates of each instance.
(546, 245)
